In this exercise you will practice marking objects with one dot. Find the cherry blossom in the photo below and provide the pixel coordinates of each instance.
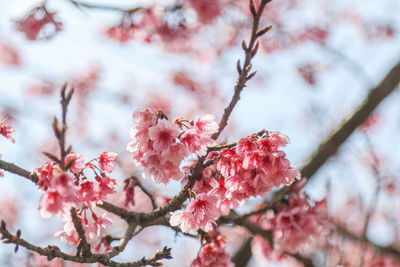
(35, 22)
(199, 213)
(77, 162)
(9, 55)
(105, 161)
(6, 130)
(163, 135)
(213, 252)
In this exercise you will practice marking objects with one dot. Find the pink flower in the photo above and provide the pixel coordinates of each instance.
(45, 174)
(63, 183)
(196, 141)
(34, 22)
(9, 55)
(206, 10)
(144, 118)
(185, 219)
(199, 213)
(206, 124)
(163, 135)
(105, 161)
(6, 130)
(51, 202)
(87, 193)
(213, 252)
(77, 164)
(105, 186)
(123, 31)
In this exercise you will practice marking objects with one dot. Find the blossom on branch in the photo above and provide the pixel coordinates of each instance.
(39, 24)
(6, 130)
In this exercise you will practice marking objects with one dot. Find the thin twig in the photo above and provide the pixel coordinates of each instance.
(83, 247)
(244, 76)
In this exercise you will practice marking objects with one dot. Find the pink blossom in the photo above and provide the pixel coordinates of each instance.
(51, 202)
(299, 223)
(206, 10)
(1, 173)
(213, 252)
(105, 161)
(124, 31)
(163, 135)
(199, 213)
(33, 23)
(87, 193)
(63, 183)
(196, 141)
(9, 55)
(77, 164)
(10, 211)
(185, 219)
(144, 118)
(45, 174)
(105, 186)
(6, 130)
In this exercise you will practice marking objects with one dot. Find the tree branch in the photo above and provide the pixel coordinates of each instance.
(332, 143)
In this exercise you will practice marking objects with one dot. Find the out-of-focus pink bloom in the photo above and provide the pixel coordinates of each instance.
(124, 31)
(163, 135)
(6, 130)
(77, 164)
(105, 161)
(129, 192)
(196, 141)
(9, 55)
(10, 211)
(41, 87)
(199, 213)
(86, 81)
(299, 223)
(39, 24)
(213, 252)
(63, 183)
(144, 118)
(51, 202)
(206, 10)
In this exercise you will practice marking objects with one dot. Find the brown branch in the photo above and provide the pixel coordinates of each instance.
(244, 76)
(83, 248)
(332, 143)
(11, 167)
(140, 185)
(389, 250)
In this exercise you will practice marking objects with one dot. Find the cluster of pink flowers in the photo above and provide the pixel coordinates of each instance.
(6, 130)
(159, 146)
(295, 224)
(255, 165)
(39, 24)
(200, 213)
(206, 10)
(67, 189)
(213, 252)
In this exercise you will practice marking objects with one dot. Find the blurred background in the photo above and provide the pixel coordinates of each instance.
(314, 67)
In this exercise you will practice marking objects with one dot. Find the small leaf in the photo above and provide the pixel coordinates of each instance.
(252, 8)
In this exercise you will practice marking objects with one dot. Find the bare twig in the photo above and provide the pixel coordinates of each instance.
(103, 7)
(11, 167)
(244, 71)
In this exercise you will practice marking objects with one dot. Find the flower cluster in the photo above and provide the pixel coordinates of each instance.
(39, 24)
(295, 224)
(200, 213)
(66, 189)
(6, 130)
(206, 10)
(255, 165)
(159, 146)
(213, 252)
